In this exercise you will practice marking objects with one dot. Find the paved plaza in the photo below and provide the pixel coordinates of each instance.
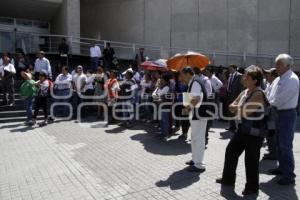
(67, 160)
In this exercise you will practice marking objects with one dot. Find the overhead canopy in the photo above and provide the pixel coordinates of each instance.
(43, 10)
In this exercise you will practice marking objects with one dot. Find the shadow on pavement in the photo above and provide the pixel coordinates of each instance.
(12, 126)
(275, 191)
(178, 180)
(23, 129)
(266, 165)
(137, 126)
(226, 135)
(155, 146)
(116, 130)
(228, 193)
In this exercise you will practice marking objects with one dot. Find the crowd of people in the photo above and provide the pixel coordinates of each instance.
(192, 98)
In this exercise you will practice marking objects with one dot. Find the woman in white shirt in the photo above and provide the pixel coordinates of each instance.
(99, 82)
(146, 85)
(161, 95)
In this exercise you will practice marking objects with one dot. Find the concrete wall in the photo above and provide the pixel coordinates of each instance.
(58, 23)
(67, 21)
(251, 26)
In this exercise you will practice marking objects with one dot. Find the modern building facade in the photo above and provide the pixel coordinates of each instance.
(21, 19)
(229, 31)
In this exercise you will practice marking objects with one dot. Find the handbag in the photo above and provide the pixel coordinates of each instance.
(257, 128)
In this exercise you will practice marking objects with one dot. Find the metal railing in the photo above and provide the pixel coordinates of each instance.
(31, 43)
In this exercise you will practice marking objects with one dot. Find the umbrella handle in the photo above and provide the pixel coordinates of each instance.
(187, 60)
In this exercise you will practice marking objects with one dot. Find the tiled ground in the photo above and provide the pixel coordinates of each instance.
(66, 160)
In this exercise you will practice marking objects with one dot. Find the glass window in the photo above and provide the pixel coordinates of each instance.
(7, 42)
(39, 24)
(24, 22)
(6, 21)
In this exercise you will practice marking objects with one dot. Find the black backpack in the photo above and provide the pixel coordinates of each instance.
(205, 110)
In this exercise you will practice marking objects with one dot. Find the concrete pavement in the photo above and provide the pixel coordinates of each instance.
(65, 160)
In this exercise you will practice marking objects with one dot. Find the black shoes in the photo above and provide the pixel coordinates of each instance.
(230, 129)
(286, 181)
(195, 169)
(191, 163)
(182, 137)
(275, 172)
(269, 157)
(249, 192)
(222, 182)
(192, 168)
(245, 191)
(282, 180)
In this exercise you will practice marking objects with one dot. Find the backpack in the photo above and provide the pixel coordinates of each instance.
(46, 93)
(126, 86)
(50, 88)
(28, 89)
(204, 110)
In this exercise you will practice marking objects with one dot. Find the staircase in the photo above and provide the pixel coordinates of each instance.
(18, 113)
(13, 114)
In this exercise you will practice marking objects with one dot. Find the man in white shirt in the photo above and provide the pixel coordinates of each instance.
(216, 83)
(271, 75)
(206, 82)
(42, 64)
(89, 87)
(284, 97)
(79, 80)
(64, 80)
(95, 53)
(7, 72)
(198, 123)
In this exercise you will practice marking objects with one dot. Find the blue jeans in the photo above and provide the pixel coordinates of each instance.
(148, 115)
(146, 110)
(128, 113)
(62, 110)
(28, 106)
(164, 123)
(94, 63)
(286, 124)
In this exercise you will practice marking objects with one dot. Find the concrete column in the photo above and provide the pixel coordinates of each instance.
(67, 22)
(73, 23)
(295, 32)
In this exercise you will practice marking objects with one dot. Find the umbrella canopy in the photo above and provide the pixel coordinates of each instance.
(190, 58)
(161, 62)
(158, 65)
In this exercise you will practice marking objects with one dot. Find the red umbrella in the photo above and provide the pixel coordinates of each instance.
(152, 66)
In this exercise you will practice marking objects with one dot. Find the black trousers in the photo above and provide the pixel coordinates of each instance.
(237, 145)
(272, 143)
(8, 88)
(184, 123)
(40, 102)
(208, 126)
